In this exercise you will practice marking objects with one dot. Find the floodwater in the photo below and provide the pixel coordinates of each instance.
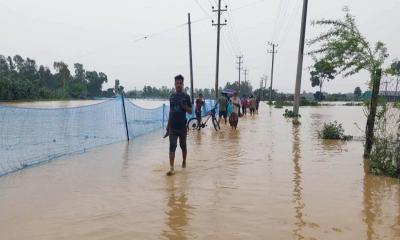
(270, 179)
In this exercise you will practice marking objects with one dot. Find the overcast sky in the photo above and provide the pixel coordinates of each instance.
(107, 36)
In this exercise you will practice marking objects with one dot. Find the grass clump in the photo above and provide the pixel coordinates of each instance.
(396, 104)
(305, 102)
(291, 114)
(351, 104)
(333, 131)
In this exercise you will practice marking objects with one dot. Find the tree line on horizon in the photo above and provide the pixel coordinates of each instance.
(23, 79)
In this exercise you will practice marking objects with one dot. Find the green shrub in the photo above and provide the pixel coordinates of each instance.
(281, 103)
(396, 104)
(291, 114)
(334, 131)
(385, 157)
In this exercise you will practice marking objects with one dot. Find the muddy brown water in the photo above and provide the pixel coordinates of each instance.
(268, 180)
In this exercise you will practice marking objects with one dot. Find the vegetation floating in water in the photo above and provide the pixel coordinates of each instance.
(333, 131)
(291, 114)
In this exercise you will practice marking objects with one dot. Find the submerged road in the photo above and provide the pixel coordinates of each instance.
(268, 180)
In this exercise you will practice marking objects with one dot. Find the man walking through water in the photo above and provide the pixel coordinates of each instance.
(223, 108)
(180, 104)
(197, 109)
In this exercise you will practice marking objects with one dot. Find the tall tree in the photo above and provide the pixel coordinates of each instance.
(80, 76)
(349, 52)
(95, 82)
(357, 93)
(321, 71)
(63, 75)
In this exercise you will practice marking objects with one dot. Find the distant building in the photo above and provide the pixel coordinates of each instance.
(116, 86)
(390, 96)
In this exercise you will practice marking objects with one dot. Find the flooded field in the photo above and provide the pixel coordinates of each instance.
(268, 180)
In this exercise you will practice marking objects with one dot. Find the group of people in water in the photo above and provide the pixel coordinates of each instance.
(230, 107)
(234, 107)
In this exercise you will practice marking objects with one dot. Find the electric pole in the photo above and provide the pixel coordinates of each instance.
(296, 105)
(246, 72)
(261, 87)
(265, 84)
(273, 52)
(240, 68)
(190, 59)
(218, 25)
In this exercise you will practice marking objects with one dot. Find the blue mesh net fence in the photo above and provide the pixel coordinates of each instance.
(30, 136)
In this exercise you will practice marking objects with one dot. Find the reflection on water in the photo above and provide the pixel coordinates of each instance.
(297, 189)
(378, 194)
(178, 209)
(268, 180)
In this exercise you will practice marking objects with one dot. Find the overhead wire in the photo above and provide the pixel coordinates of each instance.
(293, 13)
(232, 27)
(227, 41)
(155, 34)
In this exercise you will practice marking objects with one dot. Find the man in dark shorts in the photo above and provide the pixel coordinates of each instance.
(223, 108)
(180, 104)
(199, 104)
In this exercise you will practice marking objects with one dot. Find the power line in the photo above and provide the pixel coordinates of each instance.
(152, 35)
(201, 7)
(232, 27)
(288, 23)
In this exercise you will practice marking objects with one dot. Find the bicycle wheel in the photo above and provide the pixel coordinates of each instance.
(192, 124)
(215, 124)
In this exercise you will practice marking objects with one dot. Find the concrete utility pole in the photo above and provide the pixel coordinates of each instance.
(265, 84)
(273, 52)
(246, 72)
(190, 59)
(218, 24)
(300, 59)
(240, 68)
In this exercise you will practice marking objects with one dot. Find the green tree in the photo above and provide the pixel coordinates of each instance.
(343, 46)
(80, 73)
(63, 75)
(245, 87)
(357, 93)
(95, 82)
(321, 71)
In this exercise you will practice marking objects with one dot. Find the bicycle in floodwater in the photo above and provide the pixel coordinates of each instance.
(192, 124)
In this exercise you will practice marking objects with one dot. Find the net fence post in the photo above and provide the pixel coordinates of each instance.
(163, 115)
(125, 120)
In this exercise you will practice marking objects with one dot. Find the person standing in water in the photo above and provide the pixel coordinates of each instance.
(252, 105)
(199, 104)
(223, 108)
(258, 99)
(244, 105)
(180, 104)
(234, 117)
